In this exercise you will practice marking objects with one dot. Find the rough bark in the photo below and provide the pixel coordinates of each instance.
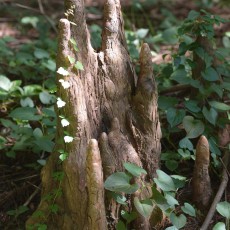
(201, 183)
(106, 103)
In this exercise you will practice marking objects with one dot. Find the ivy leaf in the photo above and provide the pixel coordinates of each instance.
(25, 113)
(210, 74)
(210, 115)
(40, 53)
(166, 102)
(193, 15)
(79, 66)
(188, 209)
(129, 217)
(119, 198)
(180, 76)
(185, 143)
(192, 106)
(219, 226)
(27, 102)
(46, 98)
(134, 169)
(120, 182)
(178, 221)
(175, 116)
(193, 128)
(224, 209)
(219, 105)
(164, 181)
(120, 225)
(144, 207)
(159, 199)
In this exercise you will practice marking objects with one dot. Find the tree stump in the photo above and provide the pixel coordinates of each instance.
(114, 119)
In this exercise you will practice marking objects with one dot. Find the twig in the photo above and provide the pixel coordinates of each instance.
(219, 193)
(175, 89)
(32, 196)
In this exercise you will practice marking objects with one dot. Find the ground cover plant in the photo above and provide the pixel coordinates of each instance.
(193, 87)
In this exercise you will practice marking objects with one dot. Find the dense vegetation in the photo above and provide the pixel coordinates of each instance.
(188, 106)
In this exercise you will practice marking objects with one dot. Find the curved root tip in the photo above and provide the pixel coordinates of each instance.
(146, 81)
(63, 43)
(115, 126)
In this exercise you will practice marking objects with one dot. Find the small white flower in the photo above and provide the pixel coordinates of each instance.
(65, 84)
(62, 71)
(60, 103)
(64, 122)
(68, 139)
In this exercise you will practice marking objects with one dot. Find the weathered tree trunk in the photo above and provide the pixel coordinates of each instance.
(105, 103)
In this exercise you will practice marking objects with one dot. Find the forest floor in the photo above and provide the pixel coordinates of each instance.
(20, 185)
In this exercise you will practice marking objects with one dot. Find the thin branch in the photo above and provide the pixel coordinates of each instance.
(32, 196)
(219, 193)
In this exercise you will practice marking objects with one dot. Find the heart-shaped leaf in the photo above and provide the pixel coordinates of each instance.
(134, 169)
(164, 181)
(120, 182)
(178, 221)
(224, 209)
(188, 209)
(144, 207)
(193, 128)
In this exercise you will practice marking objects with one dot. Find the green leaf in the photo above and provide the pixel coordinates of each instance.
(171, 200)
(134, 169)
(30, 20)
(49, 64)
(180, 76)
(192, 106)
(47, 98)
(185, 154)
(5, 83)
(63, 156)
(179, 181)
(185, 143)
(45, 144)
(171, 164)
(27, 102)
(144, 207)
(204, 55)
(210, 115)
(120, 182)
(120, 225)
(171, 228)
(119, 198)
(178, 221)
(210, 74)
(37, 133)
(224, 209)
(129, 217)
(175, 116)
(193, 128)
(3, 141)
(79, 66)
(219, 105)
(40, 53)
(31, 90)
(166, 102)
(219, 226)
(25, 113)
(71, 59)
(188, 209)
(164, 181)
(193, 15)
(170, 35)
